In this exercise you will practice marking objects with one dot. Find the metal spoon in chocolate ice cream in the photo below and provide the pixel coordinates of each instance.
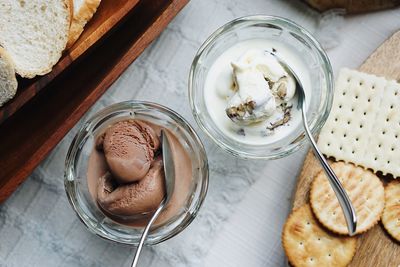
(169, 176)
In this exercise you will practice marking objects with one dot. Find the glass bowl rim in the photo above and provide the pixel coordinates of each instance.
(79, 139)
(280, 22)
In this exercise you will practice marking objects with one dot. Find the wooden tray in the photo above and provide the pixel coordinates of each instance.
(106, 18)
(350, 6)
(375, 248)
(47, 107)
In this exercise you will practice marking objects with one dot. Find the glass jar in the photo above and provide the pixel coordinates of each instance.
(298, 41)
(76, 167)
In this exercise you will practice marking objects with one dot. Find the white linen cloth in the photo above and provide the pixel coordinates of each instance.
(240, 222)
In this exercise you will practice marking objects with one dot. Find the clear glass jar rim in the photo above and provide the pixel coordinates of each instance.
(281, 22)
(79, 140)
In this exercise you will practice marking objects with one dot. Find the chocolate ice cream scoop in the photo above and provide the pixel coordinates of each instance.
(115, 162)
(135, 198)
(129, 148)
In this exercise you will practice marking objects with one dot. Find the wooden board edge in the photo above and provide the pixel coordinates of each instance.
(374, 64)
(8, 187)
(67, 58)
(392, 73)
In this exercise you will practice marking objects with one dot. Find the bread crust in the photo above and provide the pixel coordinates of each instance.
(80, 19)
(10, 87)
(71, 11)
(4, 54)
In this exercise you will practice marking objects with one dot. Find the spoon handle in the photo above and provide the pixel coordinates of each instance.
(145, 232)
(343, 198)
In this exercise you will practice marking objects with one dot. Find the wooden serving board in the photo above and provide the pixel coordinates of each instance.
(108, 15)
(351, 6)
(375, 247)
(35, 128)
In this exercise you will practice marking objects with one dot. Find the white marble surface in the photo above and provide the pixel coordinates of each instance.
(242, 217)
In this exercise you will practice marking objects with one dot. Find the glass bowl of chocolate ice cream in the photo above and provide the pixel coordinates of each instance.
(114, 176)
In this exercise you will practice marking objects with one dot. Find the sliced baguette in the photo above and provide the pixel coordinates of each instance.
(83, 12)
(8, 82)
(34, 33)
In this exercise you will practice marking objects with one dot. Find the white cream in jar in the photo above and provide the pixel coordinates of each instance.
(247, 71)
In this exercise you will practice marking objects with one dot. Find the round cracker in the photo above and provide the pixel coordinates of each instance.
(391, 213)
(363, 187)
(306, 243)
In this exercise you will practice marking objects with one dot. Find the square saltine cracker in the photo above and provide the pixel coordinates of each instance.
(363, 126)
(383, 150)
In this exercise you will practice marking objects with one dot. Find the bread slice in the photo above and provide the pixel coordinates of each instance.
(8, 82)
(34, 33)
(83, 12)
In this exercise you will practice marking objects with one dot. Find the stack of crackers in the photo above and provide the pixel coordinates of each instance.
(362, 137)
